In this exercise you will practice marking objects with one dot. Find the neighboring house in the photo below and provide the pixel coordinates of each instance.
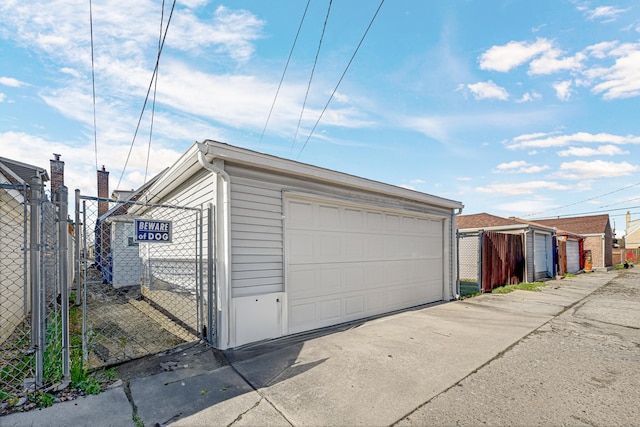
(537, 241)
(122, 265)
(569, 250)
(300, 247)
(632, 233)
(14, 260)
(597, 233)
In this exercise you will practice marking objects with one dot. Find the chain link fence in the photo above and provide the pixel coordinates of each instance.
(469, 263)
(33, 320)
(143, 278)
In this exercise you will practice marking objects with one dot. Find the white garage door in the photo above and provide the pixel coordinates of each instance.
(346, 262)
(542, 255)
(573, 256)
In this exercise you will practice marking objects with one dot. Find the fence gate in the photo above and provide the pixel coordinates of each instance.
(469, 263)
(145, 284)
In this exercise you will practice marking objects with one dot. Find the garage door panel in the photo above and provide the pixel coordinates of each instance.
(392, 223)
(354, 219)
(354, 305)
(374, 221)
(345, 263)
(573, 256)
(329, 217)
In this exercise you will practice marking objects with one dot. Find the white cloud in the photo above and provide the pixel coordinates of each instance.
(605, 13)
(80, 159)
(504, 58)
(525, 205)
(11, 82)
(621, 80)
(488, 90)
(542, 140)
(529, 97)
(563, 90)
(531, 187)
(603, 150)
(601, 50)
(551, 62)
(581, 169)
(519, 167)
(72, 72)
(463, 178)
(231, 31)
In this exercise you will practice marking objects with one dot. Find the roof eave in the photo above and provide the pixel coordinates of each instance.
(236, 155)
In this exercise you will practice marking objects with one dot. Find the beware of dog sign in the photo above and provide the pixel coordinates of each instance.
(153, 230)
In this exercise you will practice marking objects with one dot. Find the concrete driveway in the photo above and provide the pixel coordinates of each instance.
(443, 364)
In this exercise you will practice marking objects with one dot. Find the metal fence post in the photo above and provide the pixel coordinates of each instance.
(25, 258)
(78, 243)
(200, 270)
(480, 265)
(63, 199)
(34, 252)
(85, 348)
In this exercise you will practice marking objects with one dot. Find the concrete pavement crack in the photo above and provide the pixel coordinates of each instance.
(262, 396)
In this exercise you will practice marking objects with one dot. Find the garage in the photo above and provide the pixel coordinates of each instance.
(295, 247)
(346, 261)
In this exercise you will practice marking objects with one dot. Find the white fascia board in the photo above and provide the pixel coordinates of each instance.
(246, 157)
(497, 228)
(174, 176)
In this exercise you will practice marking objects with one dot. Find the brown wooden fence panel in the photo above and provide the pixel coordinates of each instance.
(562, 256)
(502, 259)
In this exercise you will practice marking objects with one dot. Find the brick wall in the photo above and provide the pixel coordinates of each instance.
(103, 190)
(57, 173)
(594, 244)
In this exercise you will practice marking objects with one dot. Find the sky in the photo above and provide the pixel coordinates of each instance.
(514, 108)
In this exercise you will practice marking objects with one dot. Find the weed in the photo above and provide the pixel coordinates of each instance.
(535, 287)
(41, 399)
(111, 373)
(137, 420)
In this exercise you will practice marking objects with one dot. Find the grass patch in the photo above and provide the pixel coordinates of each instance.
(535, 287)
(469, 288)
(566, 275)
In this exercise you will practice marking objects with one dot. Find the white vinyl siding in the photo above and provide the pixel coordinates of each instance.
(256, 237)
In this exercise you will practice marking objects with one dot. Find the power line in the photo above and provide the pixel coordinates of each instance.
(628, 208)
(153, 104)
(341, 77)
(582, 201)
(146, 98)
(93, 85)
(306, 95)
(284, 71)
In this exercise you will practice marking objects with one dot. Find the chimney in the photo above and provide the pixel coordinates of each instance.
(628, 219)
(103, 191)
(57, 174)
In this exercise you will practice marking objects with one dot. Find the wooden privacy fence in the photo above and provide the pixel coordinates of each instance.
(502, 259)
